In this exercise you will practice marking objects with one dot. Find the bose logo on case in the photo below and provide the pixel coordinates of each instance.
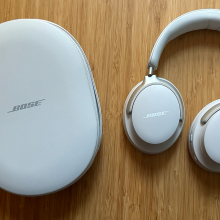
(155, 114)
(26, 105)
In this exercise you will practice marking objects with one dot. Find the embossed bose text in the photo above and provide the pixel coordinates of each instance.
(26, 105)
(152, 115)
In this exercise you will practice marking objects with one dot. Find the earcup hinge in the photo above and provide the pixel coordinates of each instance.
(150, 71)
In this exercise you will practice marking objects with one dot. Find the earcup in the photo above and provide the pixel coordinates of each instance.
(204, 137)
(153, 115)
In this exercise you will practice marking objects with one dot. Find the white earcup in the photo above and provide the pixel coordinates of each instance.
(153, 115)
(204, 137)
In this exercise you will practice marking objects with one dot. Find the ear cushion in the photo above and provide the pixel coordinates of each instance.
(204, 139)
(157, 116)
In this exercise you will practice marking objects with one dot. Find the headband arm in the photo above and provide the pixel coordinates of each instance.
(194, 20)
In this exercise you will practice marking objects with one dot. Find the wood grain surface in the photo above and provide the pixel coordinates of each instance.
(123, 183)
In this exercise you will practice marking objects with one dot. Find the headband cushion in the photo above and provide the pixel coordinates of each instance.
(194, 20)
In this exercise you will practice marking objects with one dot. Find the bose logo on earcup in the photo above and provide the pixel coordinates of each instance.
(155, 114)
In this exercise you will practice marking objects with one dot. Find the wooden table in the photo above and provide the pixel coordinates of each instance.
(123, 183)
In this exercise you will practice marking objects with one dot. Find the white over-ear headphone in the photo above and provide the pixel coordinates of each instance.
(154, 113)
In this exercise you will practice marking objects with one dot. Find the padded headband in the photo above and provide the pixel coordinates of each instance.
(194, 20)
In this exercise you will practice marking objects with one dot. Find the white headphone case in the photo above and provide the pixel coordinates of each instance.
(50, 124)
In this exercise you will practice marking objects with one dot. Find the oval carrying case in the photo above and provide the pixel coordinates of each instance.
(50, 124)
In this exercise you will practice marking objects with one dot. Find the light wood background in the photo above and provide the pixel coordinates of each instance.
(123, 183)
